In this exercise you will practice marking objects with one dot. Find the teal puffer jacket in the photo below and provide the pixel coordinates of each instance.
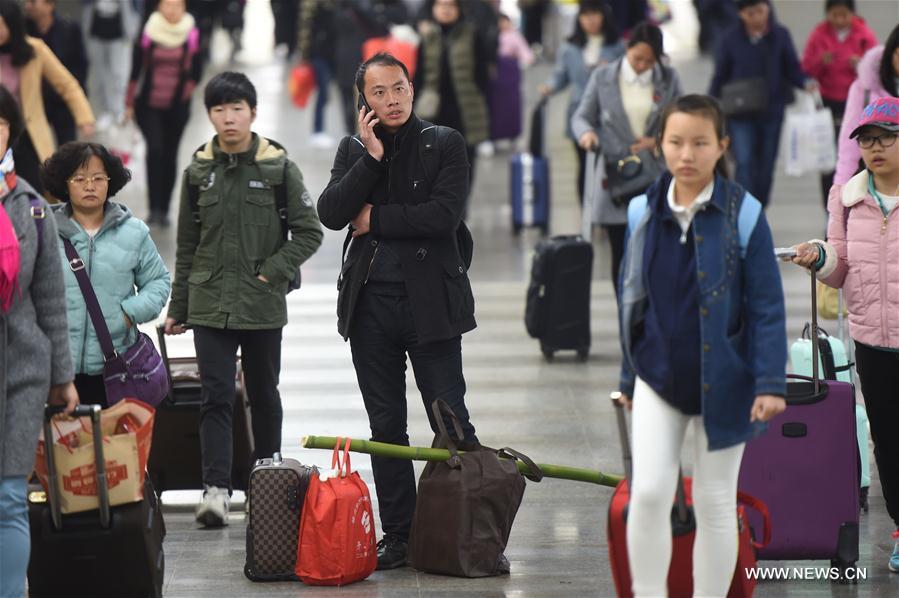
(128, 276)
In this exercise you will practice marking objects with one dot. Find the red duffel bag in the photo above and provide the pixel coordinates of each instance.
(301, 84)
(337, 528)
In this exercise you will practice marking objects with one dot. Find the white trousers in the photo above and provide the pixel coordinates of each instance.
(110, 68)
(658, 433)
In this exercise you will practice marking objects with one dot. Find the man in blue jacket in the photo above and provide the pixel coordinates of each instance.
(758, 47)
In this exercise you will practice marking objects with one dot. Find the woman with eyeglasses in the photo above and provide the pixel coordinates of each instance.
(125, 269)
(859, 257)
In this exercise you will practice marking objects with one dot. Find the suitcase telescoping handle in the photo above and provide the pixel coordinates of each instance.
(164, 353)
(817, 383)
(590, 196)
(92, 412)
(680, 495)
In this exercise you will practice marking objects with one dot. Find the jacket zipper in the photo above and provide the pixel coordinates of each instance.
(883, 278)
(90, 261)
(375, 253)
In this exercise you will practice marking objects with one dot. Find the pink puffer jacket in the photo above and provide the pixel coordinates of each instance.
(867, 85)
(861, 259)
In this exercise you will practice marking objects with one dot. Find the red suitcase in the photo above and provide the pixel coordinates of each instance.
(683, 526)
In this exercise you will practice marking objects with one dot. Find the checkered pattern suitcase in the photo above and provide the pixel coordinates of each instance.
(276, 494)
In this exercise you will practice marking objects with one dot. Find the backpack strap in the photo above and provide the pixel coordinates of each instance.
(38, 214)
(90, 299)
(748, 216)
(429, 151)
(636, 209)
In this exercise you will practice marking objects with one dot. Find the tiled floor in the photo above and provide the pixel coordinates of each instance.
(556, 412)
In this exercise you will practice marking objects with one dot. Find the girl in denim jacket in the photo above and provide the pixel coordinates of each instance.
(704, 342)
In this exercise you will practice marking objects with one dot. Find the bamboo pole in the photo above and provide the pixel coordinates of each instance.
(418, 453)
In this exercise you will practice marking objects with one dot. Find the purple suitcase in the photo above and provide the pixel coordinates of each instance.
(806, 469)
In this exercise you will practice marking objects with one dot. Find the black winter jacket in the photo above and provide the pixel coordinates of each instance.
(420, 215)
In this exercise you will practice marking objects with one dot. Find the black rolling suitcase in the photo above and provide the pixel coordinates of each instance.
(277, 493)
(112, 552)
(557, 312)
(175, 462)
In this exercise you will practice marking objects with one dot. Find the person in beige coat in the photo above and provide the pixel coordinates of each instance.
(25, 62)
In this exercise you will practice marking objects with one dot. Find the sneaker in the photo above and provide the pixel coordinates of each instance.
(213, 511)
(321, 141)
(894, 558)
(392, 552)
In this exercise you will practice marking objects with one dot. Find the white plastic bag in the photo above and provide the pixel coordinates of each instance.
(126, 141)
(809, 142)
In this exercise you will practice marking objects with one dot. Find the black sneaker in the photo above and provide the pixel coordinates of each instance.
(392, 552)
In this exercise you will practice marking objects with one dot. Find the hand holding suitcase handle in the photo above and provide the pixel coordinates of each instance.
(93, 412)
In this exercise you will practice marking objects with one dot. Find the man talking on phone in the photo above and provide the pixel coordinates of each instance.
(399, 187)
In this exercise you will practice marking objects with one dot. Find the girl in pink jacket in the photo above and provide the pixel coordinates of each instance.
(877, 75)
(860, 258)
(832, 54)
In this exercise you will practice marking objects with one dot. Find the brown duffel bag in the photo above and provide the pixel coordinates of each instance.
(466, 506)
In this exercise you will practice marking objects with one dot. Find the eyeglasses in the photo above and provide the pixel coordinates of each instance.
(96, 179)
(885, 141)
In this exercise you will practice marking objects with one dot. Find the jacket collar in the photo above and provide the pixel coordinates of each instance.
(412, 124)
(114, 214)
(261, 149)
(611, 73)
(657, 194)
(856, 189)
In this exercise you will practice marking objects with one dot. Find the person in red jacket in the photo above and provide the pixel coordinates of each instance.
(831, 56)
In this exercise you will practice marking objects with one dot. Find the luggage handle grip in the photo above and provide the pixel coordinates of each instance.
(535, 474)
(93, 412)
(819, 390)
(754, 503)
(344, 468)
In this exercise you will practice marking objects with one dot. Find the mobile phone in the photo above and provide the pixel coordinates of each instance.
(785, 252)
(361, 103)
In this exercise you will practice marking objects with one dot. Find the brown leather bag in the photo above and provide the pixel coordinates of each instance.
(466, 506)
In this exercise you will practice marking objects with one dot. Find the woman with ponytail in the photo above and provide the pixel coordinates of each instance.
(35, 362)
(703, 333)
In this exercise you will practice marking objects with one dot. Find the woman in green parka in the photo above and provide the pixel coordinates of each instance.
(452, 75)
(126, 271)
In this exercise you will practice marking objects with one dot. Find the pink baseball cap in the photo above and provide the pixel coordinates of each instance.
(882, 113)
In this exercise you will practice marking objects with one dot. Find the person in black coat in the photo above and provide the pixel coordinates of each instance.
(64, 38)
(399, 188)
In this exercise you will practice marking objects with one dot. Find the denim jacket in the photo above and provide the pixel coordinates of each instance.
(742, 318)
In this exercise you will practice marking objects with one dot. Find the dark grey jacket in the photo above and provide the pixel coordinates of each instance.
(601, 110)
(34, 341)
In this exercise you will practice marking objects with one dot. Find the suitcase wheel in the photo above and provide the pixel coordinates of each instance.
(545, 230)
(583, 353)
(547, 353)
(516, 229)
